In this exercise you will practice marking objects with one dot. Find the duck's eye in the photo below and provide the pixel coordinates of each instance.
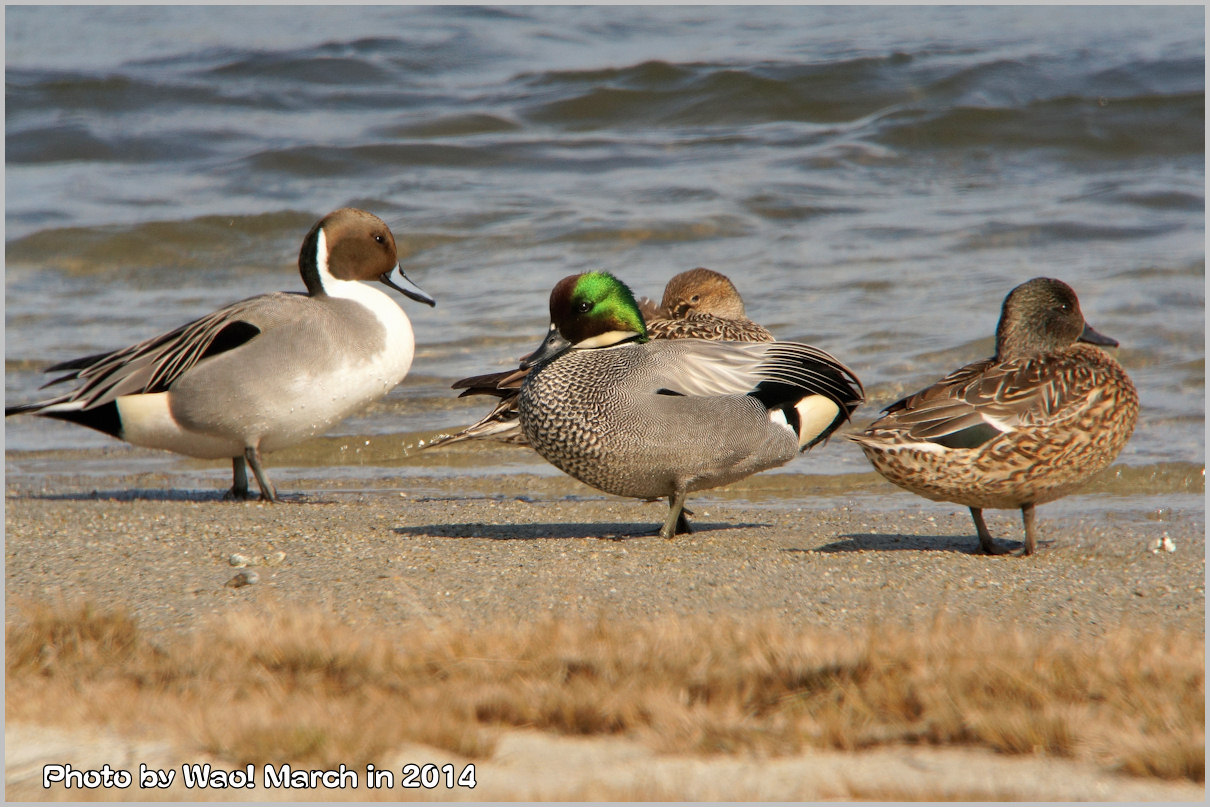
(697, 298)
(583, 307)
(379, 238)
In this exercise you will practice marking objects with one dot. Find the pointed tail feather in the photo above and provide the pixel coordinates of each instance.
(20, 408)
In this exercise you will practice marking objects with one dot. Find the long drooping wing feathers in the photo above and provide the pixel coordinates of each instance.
(697, 367)
(700, 368)
(814, 371)
(153, 364)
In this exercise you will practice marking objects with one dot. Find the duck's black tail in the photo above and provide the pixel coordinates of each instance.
(810, 388)
(20, 408)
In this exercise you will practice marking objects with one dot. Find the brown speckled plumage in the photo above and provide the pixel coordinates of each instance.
(703, 304)
(707, 326)
(1026, 427)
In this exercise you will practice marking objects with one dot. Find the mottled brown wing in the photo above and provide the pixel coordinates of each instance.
(979, 401)
(707, 326)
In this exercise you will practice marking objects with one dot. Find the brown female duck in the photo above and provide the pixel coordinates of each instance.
(1025, 427)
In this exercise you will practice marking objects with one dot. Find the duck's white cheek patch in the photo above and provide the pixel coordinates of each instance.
(816, 414)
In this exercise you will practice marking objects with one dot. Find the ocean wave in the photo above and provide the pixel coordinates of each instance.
(1123, 127)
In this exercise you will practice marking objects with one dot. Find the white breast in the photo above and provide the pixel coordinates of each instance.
(335, 393)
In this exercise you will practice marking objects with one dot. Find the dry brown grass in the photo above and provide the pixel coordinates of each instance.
(305, 689)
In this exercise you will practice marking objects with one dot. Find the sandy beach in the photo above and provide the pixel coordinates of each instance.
(484, 550)
(873, 181)
(470, 550)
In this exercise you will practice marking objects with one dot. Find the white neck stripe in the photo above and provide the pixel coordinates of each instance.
(332, 285)
(321, 256)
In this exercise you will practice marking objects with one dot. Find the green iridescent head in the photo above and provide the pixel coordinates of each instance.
(597, 309)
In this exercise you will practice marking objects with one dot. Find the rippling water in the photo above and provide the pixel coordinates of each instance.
(875, 180)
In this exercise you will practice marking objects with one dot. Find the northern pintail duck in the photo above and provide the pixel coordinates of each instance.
(697, 304)
(262, 373)
(1025, 427)
(653, 418)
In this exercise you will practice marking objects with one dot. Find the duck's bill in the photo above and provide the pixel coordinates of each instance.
(551, 346)
(400, 282)
(1094, 337)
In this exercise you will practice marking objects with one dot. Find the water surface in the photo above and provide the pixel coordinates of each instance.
(874, 180)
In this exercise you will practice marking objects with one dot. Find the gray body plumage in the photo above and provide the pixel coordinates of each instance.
(262, 373)
(302, 340)
(665, 417)
(302, 364)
